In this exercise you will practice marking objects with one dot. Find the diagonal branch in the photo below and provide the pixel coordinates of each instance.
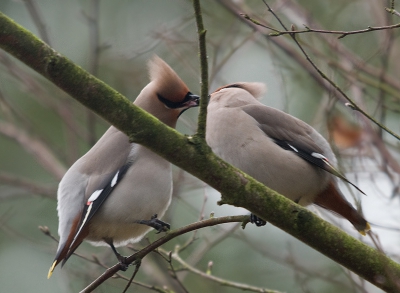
(219, 280)
(43, 155)
(151, 247)
(30, 186)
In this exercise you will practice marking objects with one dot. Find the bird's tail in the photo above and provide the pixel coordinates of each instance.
(333, 200)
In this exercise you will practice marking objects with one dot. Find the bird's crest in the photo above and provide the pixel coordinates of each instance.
(256, 89)
(168, 83)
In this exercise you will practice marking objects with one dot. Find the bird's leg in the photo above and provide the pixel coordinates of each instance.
(155, 223)
(121, 259)
(257, 221)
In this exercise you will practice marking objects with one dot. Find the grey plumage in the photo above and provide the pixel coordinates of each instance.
(279, 150)
(132, 182)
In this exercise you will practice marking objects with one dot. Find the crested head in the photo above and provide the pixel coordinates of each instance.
(166, 96)
(168, 84)
(237, 94)
(256, 89)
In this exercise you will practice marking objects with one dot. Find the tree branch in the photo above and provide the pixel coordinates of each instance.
(201, 129)
(43, 155)
(221, 281)
(393, 11)
(307, 29)
(28, 185)
(236, 187)
(350, 103)
(151, 247)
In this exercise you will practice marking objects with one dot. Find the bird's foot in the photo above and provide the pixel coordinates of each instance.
(121, 259)
(123, 265)
(257, 221)
(157, 224)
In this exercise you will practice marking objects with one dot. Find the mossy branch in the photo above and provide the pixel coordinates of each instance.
(236, 187)
(201, 129)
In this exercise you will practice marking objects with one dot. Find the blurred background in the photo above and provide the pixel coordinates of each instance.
(43, 131)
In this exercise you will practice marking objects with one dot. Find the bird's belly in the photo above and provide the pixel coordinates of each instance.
(279, 169)
(128, 203)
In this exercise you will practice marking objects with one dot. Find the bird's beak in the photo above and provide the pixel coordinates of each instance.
(191, 100)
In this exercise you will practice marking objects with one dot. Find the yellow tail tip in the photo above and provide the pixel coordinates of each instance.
(367, 228)
(51, 269)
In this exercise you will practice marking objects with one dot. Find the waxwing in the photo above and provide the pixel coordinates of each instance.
(113, 194)
(277, 149)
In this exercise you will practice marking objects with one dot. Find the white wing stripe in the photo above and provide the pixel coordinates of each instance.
(114, 180)
(95, 195)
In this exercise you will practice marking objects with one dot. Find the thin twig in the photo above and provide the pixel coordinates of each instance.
(173, 271)
(387, 47)
(220, 281)
(94, 56)
(201, 217)
(28, 185)
(133, 276)
(41, 152)
(209, 243)
(201, 128)
(97, 261)
(170, 235)
(307, 29)
(42, 97)
(392, 11)
(351, 104)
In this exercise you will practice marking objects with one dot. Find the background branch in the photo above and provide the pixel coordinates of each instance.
(42, 153)
(307, 29)
(360, 68)
(353, 105)
(221, 281)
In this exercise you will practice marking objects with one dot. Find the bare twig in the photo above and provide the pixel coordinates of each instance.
(210, 243)
(351, 104)
(201, 217)
(170, 235)
(173, 271)
(201, 129)
(392, 11)
(28, 185)
(42, 95)
(220, 281)
(307, 29)
(95, 260)
(137, 266)
(94, 46)
(40, 151)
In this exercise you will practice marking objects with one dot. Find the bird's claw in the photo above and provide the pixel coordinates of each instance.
(122, 264)
(257, 221)
(157, 224)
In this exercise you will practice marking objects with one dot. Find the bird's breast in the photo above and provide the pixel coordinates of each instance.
(144, 191)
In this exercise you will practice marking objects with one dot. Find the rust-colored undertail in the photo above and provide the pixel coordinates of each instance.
(332, 199)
